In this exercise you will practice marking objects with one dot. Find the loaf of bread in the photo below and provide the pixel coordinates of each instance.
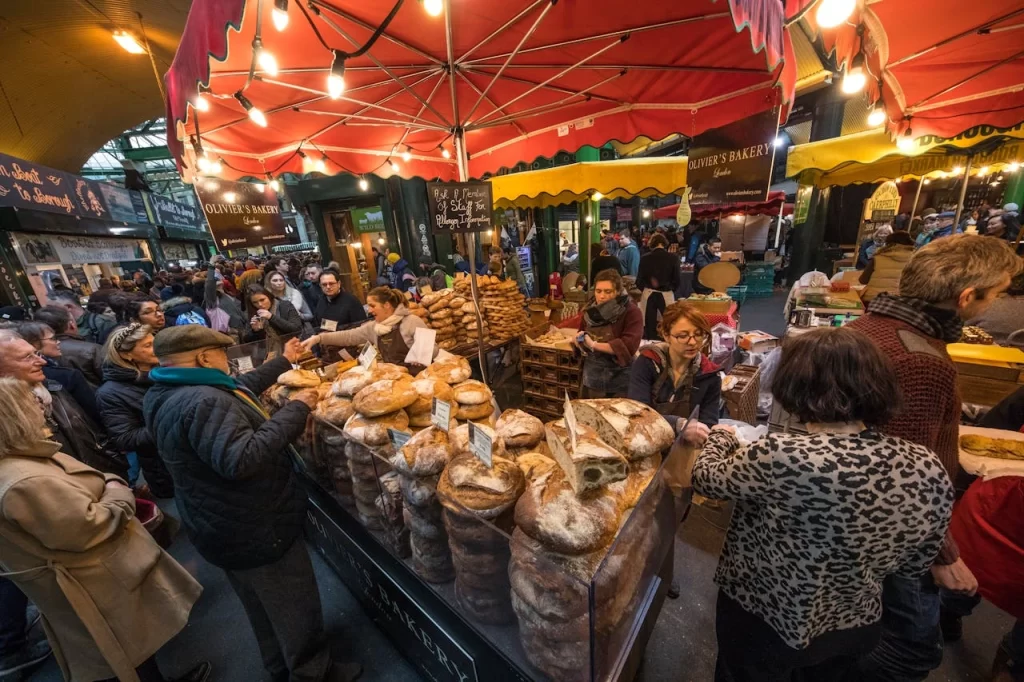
(632, 428)
(425, 454)
(427, 388)
(474, 412)
(389, 508)
(592, 465)
(519, 429)
(459, 438)
(451, 371)
(535, 464)
(551, 512)
(351, 382)
(385, 396)
(334, 410)
(366, 466)
(641, 473)
(434, 296)
(374, 430)
(472, 392)
(299, 378)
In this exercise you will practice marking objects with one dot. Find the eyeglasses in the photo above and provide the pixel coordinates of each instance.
(686, 337)
(330, 285)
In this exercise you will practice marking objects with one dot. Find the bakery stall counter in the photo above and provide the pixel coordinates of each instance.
(491, 549)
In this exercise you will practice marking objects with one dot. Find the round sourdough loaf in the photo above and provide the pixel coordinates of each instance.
(373, 431)
(467, 484)
(564, 522)
(425, 454)
(299, 378)
(472, 392)
(334, 410)
(519, 429)
(451, 371)
(385, 396)
(474, 412)
(427, 388)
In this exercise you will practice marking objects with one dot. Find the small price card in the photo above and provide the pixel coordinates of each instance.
(398, 438)
(440, 414)
(368, 356)
(570, 422)
(480, 444)
(244, 364)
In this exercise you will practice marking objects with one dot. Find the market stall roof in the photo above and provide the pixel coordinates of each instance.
(939, 66)
(618, 179)
(771, 206)
(513, 80)
(872, 156)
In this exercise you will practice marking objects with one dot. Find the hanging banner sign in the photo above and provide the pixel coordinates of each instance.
(733, 163)
(803, 204)
(459, 206)
(24, 184)
(123, 205)
(883, 204)
(242, 215)
(368, 220)
(171, 213)
(37, 249)
(623, 214)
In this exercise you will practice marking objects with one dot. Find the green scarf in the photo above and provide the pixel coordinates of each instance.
(192, 376)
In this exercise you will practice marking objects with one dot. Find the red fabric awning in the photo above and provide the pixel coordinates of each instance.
(769, 207)
(572, 73)
(940, 66)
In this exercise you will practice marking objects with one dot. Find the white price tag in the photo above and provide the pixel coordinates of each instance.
(329, 325)
(367, 357)
(570, 422)
(398, 438)
(345, 355)
(244, 364)
(440, 414)
(480, 444)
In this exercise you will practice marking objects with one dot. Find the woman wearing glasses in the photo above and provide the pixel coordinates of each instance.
(675, 376)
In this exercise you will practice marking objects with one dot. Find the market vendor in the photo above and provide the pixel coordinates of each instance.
(872, 244)
(658, 278)
(391, 330)
(676, 376)
(885, 266)
(709, 252)
(610, 327)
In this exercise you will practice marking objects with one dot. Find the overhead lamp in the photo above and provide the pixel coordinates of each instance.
(364, 184)
(279, 15)
(597, 196)
(876, 116)
(407, 154)
(357, 245)
(204, 164)
(274, 183)
(433, 7)
(779, 141)
(201, 103)
(831, 13)
(926, 181)
(255, 114)
(264, 57)
(320, 166)
(983, 171)
(260, 187)
(445, 153)
(212, 185)
(394, 166)
(904, 143)
(957, 170)
(336, 79)
(1014, 167)
(128, 42)
(589, 219)
(994, 183)
(381, 241)
(646, 213)
(230, 197)
(854, 80)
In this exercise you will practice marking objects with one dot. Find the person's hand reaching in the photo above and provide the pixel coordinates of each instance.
(294, 350)
(306, 395)
(955, 577)
(311, 341)
(694, 432)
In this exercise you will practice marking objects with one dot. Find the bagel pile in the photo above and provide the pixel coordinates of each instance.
(501, 306)
(444, 312)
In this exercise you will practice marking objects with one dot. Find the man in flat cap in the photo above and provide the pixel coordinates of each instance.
(238, 495)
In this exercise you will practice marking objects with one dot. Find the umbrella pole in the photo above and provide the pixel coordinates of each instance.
(461, 159)
(917, 196)
(778, 228)
(963, 192)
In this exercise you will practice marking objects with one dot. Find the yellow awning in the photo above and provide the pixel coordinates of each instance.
(872, 156)
(576, 182)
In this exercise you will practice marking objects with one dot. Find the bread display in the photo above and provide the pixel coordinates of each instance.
(472, 392)
(630, 489)
(419, 464)
(299, 378)
(519, 429)
(334, 409)
(534, 464)
(389, 508)
(385, 396)
(373, 431)
(501, 308)
(999, 448)
(632, 428)
(451, 371)
(427, 388)
(459, 438)
(351, 382)
(592, 464)
(366, 466)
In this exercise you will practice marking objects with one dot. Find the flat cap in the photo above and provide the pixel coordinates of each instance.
(188, 337)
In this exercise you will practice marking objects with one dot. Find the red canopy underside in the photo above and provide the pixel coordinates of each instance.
(946, 65)
(576, 78)
(769, 207)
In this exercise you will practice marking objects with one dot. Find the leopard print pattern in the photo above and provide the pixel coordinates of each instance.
(820, 521)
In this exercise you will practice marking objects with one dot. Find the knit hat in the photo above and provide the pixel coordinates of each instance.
(183, 338)
(1011, 208)
(393, 258)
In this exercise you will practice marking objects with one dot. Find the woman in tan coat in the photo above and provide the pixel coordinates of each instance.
(108, 595)
(884, 269)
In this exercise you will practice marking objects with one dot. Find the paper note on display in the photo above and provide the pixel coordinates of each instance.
(440, 414)
(398, 438)
(368, 357)
(422, 351)
(329, 325)
(480, 444)
(244, 364)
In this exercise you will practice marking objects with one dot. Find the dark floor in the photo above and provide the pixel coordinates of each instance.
(682, 647)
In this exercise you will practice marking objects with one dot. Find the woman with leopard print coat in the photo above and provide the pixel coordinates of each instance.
(821, 518)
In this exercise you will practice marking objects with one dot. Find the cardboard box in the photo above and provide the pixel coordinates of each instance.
(757, 341)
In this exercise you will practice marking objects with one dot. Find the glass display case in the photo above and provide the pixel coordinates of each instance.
(470, 598)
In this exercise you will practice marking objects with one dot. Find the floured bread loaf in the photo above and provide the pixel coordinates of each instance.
(474, 412)
(425, 454)
(374, 430)
(385, 396)
(354, 380)
(641, 473)
(519, 429)
(535, 464)
(323, 391)
(632, 428)
(451, 371)
(552, 513)
(427, 388)
(459, 437)
(472, 392)
(486, 492)
(435, 296)
(299, 378)
(593, 464)
(334, 410)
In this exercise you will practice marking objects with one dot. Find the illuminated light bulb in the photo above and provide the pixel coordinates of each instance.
(904, 144)
(646, 213)
(320, 165)
(279, 15)
(854, 80)
(876, 117)
(598, 196)
(204, 164)
(394, 166)
(407, 155)
(380, 240)
(260, 187)
(433, 7)
(201, 103)
(778, 141)
(589, 219)
(215, 167)
(445, 153)
(490, 232)
(128, 42)
(983, 171)
(357, 245)
(230, 197)
(257, 227)
(364, 184)
(212, 186)
(994, 183)
(926, 181)
(275, 185)
(255, 115)
(336, 79)
(957, 170)
(267, 61)
(1014, 167)
(831, 13)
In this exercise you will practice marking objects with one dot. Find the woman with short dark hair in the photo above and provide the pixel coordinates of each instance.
(822, 517)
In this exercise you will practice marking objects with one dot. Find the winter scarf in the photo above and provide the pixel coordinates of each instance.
(936, 322)
(388, 325)
(607, 313)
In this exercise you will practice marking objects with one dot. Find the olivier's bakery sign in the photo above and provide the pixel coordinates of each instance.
(733, 163)
(243, 215)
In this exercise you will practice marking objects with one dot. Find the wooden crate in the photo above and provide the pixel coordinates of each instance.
(741, 399)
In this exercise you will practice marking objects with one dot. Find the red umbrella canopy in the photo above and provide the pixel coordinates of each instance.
(939, 67)
(512, 80)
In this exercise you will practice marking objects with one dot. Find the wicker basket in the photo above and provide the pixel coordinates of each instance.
(741, 399)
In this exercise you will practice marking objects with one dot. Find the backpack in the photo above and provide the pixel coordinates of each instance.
(190, 317)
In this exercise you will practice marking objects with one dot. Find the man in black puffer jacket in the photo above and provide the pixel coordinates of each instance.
(238, 495)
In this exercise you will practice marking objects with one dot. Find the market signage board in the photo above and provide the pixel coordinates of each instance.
(368, 220)
(24, 184)
(733, 163)
(459, 206)
(123, 204)
(171, 213)
(243, 216)
(883, 204)
(38, 249)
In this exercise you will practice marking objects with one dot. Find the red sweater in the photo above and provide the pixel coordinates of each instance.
(930, 411)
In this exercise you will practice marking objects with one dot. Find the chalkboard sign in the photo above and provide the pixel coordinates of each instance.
(459, 206)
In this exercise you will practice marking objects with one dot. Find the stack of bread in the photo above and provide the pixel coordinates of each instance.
(522, 433)
(389, 506)
(502, 306)
(453, 370)
(287, 385)
(445, 314)
(419, 463)
(473, 402)
(330, 416)
(472, 492)
(567, 521)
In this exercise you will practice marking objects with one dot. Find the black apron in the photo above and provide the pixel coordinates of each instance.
(393, 349)
(600, 371)
(675, 407)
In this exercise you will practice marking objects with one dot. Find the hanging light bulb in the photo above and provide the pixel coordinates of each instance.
(279, 14)
(201, 103)
(255, 115)
(320, 166)
(904, 144)
(230, 197)
(589, 219)
(646, 213)
(336, 79)
(394, 166)
(381, 241)
(407, 154)
(957, 170)
(1014, 167)
(274, 183)
(264, 57)
(260, 187)
(445, 153)
(876, 116)
(203, 162)
(129, 42)
(364, 184)
(598, 196)
(926, 181)
(433, 7)
(831, 13)
(983, 171)
(854, 80)
(215, 167)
